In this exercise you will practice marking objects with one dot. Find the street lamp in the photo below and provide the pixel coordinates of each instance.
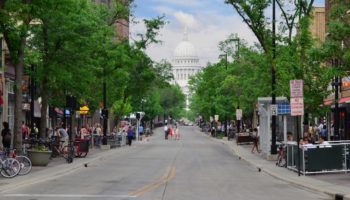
(337, 83)
(273, 80)
(225, 55)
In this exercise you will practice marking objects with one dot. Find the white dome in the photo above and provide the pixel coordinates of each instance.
(185, 50)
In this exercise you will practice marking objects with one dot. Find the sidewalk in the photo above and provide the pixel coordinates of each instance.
(330, 184)
(59, 167)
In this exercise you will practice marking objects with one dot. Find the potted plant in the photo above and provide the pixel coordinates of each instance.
(39, 155)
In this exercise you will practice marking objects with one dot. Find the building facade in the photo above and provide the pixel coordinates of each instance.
(185, 64)
(121, 25)
(318, 24)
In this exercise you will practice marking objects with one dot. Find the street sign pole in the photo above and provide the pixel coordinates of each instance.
(297, 108)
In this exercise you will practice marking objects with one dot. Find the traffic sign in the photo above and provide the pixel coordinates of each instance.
(296, 88)
(297, 106)
(274, 110)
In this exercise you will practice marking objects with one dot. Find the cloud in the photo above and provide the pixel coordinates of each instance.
(206, 28)
(187, 3)
(186, 19)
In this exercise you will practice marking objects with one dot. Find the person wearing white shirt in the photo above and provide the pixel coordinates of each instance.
(323, 143)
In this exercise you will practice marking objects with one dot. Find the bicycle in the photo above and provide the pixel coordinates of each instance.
(67, 151)
(25, 162)
(9, 167)
(281, 156)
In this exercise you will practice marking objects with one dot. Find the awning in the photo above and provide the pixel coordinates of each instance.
(327, 102)
(344, 100)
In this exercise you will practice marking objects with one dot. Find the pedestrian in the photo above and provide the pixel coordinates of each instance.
(171, 132)
(84, 133)
(177, 133)
(324, 131)
(166, 131)
(130, 135)
(24, 130)
(255, 140)
(6, 135)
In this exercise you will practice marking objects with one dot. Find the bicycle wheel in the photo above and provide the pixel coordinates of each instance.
(69, 153)
(26, 165)
(282, 161)
(10, 167)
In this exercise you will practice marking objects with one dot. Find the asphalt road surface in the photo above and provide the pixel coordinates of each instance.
(195, 167)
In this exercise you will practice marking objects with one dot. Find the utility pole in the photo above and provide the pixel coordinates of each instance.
(273, 82)
(104, 112)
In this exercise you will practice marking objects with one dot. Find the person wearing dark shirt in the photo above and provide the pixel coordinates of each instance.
(130, 135)
(6, 135)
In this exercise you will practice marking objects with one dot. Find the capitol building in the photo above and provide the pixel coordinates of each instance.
(185, 63)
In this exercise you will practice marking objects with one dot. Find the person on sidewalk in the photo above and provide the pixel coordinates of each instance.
(324, 143)
(130, 135)
(255, 140)
(6, 135)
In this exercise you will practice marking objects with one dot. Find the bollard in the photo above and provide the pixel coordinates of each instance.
(339, 197)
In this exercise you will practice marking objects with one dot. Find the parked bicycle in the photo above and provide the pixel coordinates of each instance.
(25, 162)
(282, 156)
(9, 167)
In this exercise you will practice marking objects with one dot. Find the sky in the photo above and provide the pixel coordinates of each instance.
(208, 22)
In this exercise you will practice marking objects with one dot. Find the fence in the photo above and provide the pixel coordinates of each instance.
(317, 159)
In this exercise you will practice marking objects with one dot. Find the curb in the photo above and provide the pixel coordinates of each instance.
(278, 176)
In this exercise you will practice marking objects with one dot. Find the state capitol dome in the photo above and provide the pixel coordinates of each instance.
(185, 50)
(185, 63)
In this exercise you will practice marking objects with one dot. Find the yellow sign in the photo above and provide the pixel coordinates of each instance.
(84, 110)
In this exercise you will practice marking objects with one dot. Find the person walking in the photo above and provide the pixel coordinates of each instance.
(166, 131)
(6, 135)
(256, 140)
(177, 133)
(130, 135)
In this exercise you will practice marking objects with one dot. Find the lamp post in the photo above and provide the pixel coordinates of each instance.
(273, 80)
(335, 62)
(104, 112)
(225, 55)
(337, 83)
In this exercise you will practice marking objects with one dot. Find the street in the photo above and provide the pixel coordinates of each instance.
(196, 167)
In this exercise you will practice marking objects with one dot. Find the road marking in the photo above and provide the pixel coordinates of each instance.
(167, 176)
(70, 196)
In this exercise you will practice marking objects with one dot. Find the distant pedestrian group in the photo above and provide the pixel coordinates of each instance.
(171, 131)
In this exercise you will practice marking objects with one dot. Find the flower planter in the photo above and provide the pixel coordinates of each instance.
(39, 158)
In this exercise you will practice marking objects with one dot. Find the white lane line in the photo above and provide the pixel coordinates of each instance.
(69, 195)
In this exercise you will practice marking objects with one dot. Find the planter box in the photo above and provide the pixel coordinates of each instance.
(39, 158)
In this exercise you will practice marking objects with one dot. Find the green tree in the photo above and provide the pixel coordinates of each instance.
(15, 18)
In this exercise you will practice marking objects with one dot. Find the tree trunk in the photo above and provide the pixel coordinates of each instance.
(43, 110)
(44, 85)
(17, 139)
